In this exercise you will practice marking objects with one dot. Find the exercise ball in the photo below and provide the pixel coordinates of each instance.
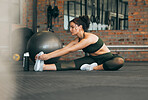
(19, 40)
(45, 41)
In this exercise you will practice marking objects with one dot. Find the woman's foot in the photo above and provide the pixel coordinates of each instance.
(99, 67)
(88, 67)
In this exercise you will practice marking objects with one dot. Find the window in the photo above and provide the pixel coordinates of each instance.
(103, 14)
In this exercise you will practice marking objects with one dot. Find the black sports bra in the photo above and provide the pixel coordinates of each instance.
(93, 47)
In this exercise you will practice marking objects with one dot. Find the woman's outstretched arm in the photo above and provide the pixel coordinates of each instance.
(69, 48)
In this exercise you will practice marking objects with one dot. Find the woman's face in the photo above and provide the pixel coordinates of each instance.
(74, 28)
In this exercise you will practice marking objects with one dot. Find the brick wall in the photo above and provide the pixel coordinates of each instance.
(137, 34)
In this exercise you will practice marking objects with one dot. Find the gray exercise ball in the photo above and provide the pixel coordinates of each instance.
(45, 41)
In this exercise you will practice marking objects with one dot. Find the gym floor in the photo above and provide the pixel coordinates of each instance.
(129, 83)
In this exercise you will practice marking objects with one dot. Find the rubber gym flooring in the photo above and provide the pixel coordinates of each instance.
(129, 83)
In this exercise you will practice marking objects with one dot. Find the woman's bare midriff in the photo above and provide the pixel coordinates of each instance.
(104, 49)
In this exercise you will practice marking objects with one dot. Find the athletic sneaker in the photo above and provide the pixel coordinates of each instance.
(88, 67)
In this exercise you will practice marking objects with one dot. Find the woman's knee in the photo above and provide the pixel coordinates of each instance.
(114, 64)
(119, 60)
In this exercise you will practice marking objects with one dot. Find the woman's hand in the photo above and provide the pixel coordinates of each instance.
(36, 57)
(44, 57)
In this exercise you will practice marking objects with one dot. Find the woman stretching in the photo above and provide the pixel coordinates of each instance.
(99, 58)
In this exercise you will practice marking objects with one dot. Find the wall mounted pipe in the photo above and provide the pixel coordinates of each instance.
(34, 24)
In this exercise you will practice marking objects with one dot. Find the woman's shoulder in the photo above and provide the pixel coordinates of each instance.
(91, 34)
(92, 37)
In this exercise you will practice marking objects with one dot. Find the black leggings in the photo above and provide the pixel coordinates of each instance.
(110, 62)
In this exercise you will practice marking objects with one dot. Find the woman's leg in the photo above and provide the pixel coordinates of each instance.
(99, 67)
(49, 67)
(114, 64)
(59, 66)
(69, 65)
